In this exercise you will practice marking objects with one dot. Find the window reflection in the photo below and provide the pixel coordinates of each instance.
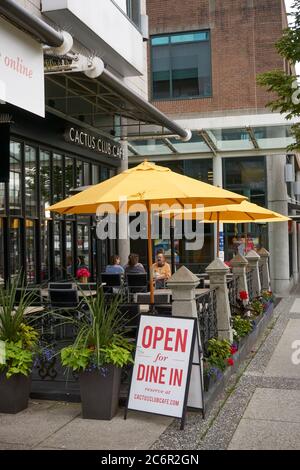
(30, 181)
(15, 183)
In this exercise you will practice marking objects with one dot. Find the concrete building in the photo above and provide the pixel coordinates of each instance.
(72, 82)
(203, 63)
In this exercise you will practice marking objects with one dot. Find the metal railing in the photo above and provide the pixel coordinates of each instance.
(261, 274)
(250, 284)
(207, 317)
(233, 292)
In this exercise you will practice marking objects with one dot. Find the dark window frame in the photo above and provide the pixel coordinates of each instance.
(175, 33)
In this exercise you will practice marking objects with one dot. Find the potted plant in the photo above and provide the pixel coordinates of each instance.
(83, 275)
(19, 342)
(100, 349)
(241, 327)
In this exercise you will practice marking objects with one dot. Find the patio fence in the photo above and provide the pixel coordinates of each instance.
(207, 317)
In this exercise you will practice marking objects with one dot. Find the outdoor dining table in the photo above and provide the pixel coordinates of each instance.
(86, 293)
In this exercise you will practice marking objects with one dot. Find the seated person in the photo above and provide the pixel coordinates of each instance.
(133, 266)
(161, 271)
(114, 267)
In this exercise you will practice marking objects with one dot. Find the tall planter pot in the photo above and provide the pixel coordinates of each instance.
(14, 393)
(100, 393)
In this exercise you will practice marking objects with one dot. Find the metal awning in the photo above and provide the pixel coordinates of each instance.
(98, 101)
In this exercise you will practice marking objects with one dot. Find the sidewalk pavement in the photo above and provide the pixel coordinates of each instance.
(260, 409)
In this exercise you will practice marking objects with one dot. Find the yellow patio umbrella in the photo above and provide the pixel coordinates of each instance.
(149, 185)
(244, 213)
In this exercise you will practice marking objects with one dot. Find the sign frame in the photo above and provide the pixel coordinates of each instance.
(194, 344)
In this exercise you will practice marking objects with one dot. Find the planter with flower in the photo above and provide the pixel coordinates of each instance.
(18, 346)
(241, 328)
(100, 350)
(267, 299)
(220, 356)
(83, 275)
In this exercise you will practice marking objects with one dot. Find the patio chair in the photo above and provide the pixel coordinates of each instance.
(34, 293)
(159, 298)
(65, 301)
(131, 314)
(136, 283)
(113, 282)
(165, 310)
(61, 285)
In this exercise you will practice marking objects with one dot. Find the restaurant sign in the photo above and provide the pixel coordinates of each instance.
(162, 367)
(21, 70)
(95, 143)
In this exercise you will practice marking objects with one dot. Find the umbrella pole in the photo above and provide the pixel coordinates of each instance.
(172, 228)
(150, 256)
(218, 235)
(246, 238)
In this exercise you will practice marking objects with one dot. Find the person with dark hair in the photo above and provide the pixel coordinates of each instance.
(134, 266)
(114, 267)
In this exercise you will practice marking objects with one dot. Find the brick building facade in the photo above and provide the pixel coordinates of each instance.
(243, 35)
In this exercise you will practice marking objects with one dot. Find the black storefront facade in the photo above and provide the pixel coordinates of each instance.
(49, 158)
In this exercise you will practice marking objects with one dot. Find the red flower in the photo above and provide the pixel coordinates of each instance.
(83, 272)
(244, 295)
(233, 349)
(230, 361)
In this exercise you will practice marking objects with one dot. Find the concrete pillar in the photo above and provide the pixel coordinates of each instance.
(253, 260)
(264, 262)
(278, 232)
(217, 272)
(183, 284)
(239, 266)
(218, 181)
(294, 232)
(124, 240)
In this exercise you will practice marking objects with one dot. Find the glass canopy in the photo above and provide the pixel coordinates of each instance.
(221, 141)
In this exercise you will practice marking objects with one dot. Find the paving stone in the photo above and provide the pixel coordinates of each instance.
(266, 435)
(281, 364)
(139, 431)
(295, 307)
(274, 404)
(38, 421)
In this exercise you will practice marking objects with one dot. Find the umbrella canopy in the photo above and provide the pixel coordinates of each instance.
(146, 183)
(149, 185)
(245, 212)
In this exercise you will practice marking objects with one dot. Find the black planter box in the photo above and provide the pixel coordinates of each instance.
(100, 393)
(14, 393)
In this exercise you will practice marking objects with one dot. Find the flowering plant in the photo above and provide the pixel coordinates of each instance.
(83, 272)
(243, 295)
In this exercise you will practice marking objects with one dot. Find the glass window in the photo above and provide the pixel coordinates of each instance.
(58, 251)
(69, 250)
(15, 247)
(2, 199)
(45, 183)
(83, 242)
(95, 174)
(69, 172)
(15, 179)
(30, 251)
(79, 174)
(57, 178)
(30, 182)
(181, 65)
(45, 250)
